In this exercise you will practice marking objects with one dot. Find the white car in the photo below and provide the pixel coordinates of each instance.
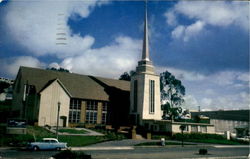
(47, 144)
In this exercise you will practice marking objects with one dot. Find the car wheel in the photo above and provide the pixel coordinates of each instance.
(35, 148)
(58, 148)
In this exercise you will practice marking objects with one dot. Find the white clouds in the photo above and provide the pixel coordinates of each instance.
(34, 25)
(225, 78)
(111, 60)
(193, 30)
(219, 90)
(207, 13)
(171, 18)
(182, 74)
(187, 32)
(244, 77)
(215, 13)
(190, 102)
(206, 101)
(11, 65)
(178, 31)
(222, 101)
(229, 102)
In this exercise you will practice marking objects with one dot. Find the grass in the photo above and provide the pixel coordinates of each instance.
(37, 133)
(77, 141)
(72, 131)
(201, 138)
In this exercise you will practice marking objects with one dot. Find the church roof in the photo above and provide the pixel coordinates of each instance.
(79, 86)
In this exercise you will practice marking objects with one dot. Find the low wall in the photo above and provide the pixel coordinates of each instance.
(12, 130)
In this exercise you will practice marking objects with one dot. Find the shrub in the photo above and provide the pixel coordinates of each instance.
(67, 154)
(202, 151)
(200, 136)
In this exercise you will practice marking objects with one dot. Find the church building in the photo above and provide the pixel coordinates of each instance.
(80, 100)
(40, 96)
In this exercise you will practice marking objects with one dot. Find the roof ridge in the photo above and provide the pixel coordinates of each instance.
(41, 69)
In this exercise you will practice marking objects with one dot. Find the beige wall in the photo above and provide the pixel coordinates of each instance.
(209, 128)
(49, 99)
(143, 96)
(146, 114)
(227, 125)
(83, 111)
(99, 113)
(174, 127)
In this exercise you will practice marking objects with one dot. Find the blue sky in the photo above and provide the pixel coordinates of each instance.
(203, 43)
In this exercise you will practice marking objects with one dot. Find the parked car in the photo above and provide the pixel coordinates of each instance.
(47, 144)
(245, 138)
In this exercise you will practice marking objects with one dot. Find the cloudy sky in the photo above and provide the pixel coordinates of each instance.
(205, 44)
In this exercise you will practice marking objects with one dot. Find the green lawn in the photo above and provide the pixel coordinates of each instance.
(72, 131)
(37, 133)
(201, 138)
(76, 141)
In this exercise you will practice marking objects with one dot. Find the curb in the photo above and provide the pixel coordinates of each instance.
(102, 148)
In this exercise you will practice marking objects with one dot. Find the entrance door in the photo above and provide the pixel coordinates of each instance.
(63, 121)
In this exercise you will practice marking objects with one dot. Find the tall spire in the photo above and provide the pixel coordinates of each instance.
(145, 49)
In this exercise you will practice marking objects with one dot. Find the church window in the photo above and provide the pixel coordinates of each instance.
(91, 112)
(135, 96)
(74, 111)
(151, 96)
(104, 112)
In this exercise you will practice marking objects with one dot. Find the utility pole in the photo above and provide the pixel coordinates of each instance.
(58, 109)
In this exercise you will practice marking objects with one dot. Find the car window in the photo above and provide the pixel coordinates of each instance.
(53, 141)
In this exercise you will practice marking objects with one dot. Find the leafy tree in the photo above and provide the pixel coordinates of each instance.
(58, 69)
(126, 76)
(3, 85)
(172, 92)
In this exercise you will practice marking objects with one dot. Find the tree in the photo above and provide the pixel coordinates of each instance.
(3, 85)
(58, 69)
(127, 76)
(172, 92)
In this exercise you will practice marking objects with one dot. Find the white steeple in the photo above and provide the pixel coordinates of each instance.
(145, 65)
(145, 49)
(145, 86)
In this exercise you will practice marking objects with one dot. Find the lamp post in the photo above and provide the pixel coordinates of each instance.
(58, 110)
(182, 127)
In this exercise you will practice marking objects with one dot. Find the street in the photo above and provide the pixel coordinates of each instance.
(167, 152)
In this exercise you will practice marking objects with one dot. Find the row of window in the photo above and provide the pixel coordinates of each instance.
(91, 111)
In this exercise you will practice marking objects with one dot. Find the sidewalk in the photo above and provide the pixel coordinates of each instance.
(89, 132)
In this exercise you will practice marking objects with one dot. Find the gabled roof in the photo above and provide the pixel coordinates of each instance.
(79, 86)
(59, 82)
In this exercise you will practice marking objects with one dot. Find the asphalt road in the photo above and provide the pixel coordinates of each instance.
(168, 152)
